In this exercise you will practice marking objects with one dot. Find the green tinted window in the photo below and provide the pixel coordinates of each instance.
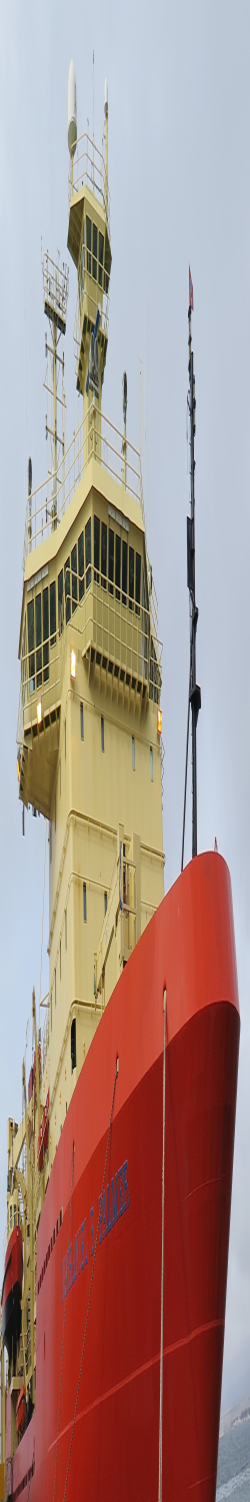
(38, 639)
(52, 612)
(124, 572)
(131, 577)
(104, 555)
(96, 548)
(137, 582)
(117, 566)
(94, 257)
(88, 552)
(67, 589)
(81, 565)
(111, 560)
(88, 238)
(45, 633)
(31, 644)
(74, 577)
(60, 601)
(101, 250)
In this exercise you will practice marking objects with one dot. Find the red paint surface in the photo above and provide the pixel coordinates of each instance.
(189, 948)
(13, 1265)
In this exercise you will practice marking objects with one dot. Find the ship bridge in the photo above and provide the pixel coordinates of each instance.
(88, 582)
(89, 748)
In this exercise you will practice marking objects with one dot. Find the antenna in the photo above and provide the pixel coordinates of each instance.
(30, 501)
(72, 110)
(194, 697)
(106, 111)
(55, 295)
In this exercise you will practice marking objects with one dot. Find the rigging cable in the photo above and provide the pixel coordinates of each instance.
(162, 1248)
(91, 1284)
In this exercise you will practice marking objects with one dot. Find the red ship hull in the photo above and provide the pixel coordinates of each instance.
(98, 1432)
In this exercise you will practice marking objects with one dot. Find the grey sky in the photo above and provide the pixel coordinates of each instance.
(179, 138)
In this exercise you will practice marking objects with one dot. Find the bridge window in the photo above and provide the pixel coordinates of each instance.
(81, 565)
(52, 613)
(38, 639)
(94, 257)
(67, 589)
(133, 753)
(117, 566)
(105, 903)
(10, 1217)
(81, 722)
(131, 578)
(88, 238)
(101, 249)
(104, 555)
(96, 548)
(88, 552)
(45, 633)
(60, 601)
(124, 572)
(111, 561)
(151, 763)
(137, 582)
(84, 902)
(74, 577)
(102, 732)
(31, 645)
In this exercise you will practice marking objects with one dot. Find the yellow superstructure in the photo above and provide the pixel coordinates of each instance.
(89, 728)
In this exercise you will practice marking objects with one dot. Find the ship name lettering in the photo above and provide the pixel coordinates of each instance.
(112, 1207)
(75, 1260)
(113, 1201)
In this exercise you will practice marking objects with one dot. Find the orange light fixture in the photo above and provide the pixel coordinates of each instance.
(39, 711)
(159, 721)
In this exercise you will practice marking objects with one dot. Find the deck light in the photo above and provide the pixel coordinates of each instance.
(159, 721)
(73, 664)
(39, 711)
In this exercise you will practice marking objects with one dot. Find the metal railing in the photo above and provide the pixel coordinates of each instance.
(88, 166)
(119, 630)
(96, 437)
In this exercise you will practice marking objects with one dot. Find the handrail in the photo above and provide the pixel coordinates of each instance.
(97, 436)
(88, 166)
(119, 628)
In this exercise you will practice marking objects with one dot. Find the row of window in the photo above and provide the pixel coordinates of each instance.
(92, 257)
(116, 565)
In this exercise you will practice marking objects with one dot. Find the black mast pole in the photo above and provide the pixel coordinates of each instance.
(194, 690)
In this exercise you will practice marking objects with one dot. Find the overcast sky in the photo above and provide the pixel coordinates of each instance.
(179, 150)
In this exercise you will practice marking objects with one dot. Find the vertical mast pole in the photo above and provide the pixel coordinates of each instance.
(194, 690)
